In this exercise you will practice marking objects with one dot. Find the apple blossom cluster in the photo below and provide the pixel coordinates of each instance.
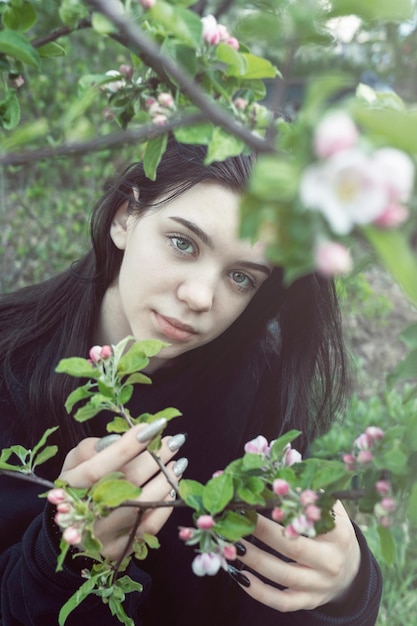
(351, 184)
(215, 551)
(260, 445)
(160, 108)
(68, 517)
(100, 353)
(214, 33)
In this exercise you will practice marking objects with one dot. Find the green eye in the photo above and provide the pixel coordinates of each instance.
(239, 278)
(182, 244)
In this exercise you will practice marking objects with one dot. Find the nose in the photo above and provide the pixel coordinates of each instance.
(197, 293)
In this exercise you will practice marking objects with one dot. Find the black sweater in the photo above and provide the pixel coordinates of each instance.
(217, 426)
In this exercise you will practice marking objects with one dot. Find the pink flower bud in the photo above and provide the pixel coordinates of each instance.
(277, 514)
(363, 442)
(155, 108)
(166, 100)
(210, 30)
(303, 526)
(17, 82)
(332, 259)
(386, 521)
(147, 4)
(185, 534)
(106, 352)
(63, 507)
(313, 513)
(218, 473)
(259, 445)
(233, 42)
(159, 119)
(280, 487)
(205, 522)
(241, 103)
(383, 487)
(95, 354)
(291, 532)
(394, 215)
(149, 102)
(388, 504)
(126, 70)
(364, 457)
(308, 496)
(334, 133)
(374, 433)
(108, 114)
(223, 32)
(349, 461)
(292, 456)
(208, 563)
(229, 552)
(72, 536)
(55, 496)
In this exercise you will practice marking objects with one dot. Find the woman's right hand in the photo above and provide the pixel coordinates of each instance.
(84, 466)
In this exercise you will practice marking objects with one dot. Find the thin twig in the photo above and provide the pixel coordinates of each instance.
(164, 470)
(63, 31)
(31, 478)
(128, 545)
(162, 64)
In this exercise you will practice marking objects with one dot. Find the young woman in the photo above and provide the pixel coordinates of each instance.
(246, 356)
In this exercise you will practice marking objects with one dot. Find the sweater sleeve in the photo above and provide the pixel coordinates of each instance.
(32, 592)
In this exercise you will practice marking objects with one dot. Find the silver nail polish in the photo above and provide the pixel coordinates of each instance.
(180, 466)
(106, 441)
(173, 493)
(150, 430)
(176, 442)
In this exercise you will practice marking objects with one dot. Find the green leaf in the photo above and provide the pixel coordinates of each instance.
(280, 444)
(25, 134)
(125, 394)
(19, 18)
(217, 493)
(275, 178)
(154, 152)
(397, 256)
(81, 393)
(102, 25)
(138, 377)
(86, 412)
(235, 61)
(191, 492)
(76, 599)
(257, 67)
(252, 461)
(44, 438)
(151, 541)
(223, 145)
(405, 369)
(409, 337)
(199, 134)
(387, 545)
(16, 45)
(47, 453)
(412, 505)
(51, 49)
(78, 367)
(379, 10)
(183, 24)
(63, 551)
(72, 12)
(235, 526)
(10, 111)
(111, 491)
(118, 425)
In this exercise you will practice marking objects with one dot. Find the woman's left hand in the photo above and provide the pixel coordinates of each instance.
(322, 571)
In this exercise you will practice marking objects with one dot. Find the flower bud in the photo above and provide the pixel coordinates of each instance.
(308, 496)
(241, 103)
(280, 487)
(63, 507)
(106, 352)
(207, 563)
(205, 522)
(277, 514)
(291, 532)
(334, 133)
(233, 42)
(332, 259)
(72, 536)
(159, 119)
(364, 457)
(147, 4)
(383, 487)
(229, 552)
(388, 504)
(210, 30)
(126, 70)
(166, 100)
(349, 461)
(217, 473)
(95, 354)
(374, 433)
(363, 442)
(313, 513)
(55, 496)
(394, 215)
(292, 456)
(259, 445)
(185, 534)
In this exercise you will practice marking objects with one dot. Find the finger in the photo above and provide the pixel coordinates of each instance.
(114, 457)
(145, 465)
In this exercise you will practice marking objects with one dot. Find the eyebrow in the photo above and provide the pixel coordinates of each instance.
(207, 240)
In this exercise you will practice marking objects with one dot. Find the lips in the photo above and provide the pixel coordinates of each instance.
(173, 328)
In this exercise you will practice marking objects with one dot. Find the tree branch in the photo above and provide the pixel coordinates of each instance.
(31, 478)
(162, 64)
(63, 31)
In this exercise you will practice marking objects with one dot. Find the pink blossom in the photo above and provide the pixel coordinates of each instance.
(398, 172)
(388, 504)
(159, 119)
(241, 103)
(117, 82)
(363, 442)
(208, 563)
(332, 259)
(210, 30)
(313, 512)
(72, 536)
(233, 42)
(149, 102)
(350, 461)
(17, 82)
(217, 473)
(292, 456)
(259, 445)
(147, 4)
(386, 521)
(280, 487)
(308, 496)
(394, 215)
(185, 534)
(55, 496)
(108, 114)
(229, 552)
(63, 507)
(155, 108)
(383, 487)
(291, 532)
(334, 133)
(277, 514)
(374, 433)
(304, 526)
(126, 70)
(95, 354)
(364, 457)
(205, 522)
(223, 32)
(165, 99)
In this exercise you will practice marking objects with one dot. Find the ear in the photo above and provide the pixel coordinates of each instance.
(118, 228)
(121, 219)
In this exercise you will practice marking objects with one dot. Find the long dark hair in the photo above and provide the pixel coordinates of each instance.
(298, 328)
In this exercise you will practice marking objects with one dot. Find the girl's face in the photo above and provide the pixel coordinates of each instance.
(185, 275)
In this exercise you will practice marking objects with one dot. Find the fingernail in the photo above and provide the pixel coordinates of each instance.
(106, 441)
(172, 493)
(240, 548)
(177, 441)
(238, 576)
(150, 430)
(180, 466)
